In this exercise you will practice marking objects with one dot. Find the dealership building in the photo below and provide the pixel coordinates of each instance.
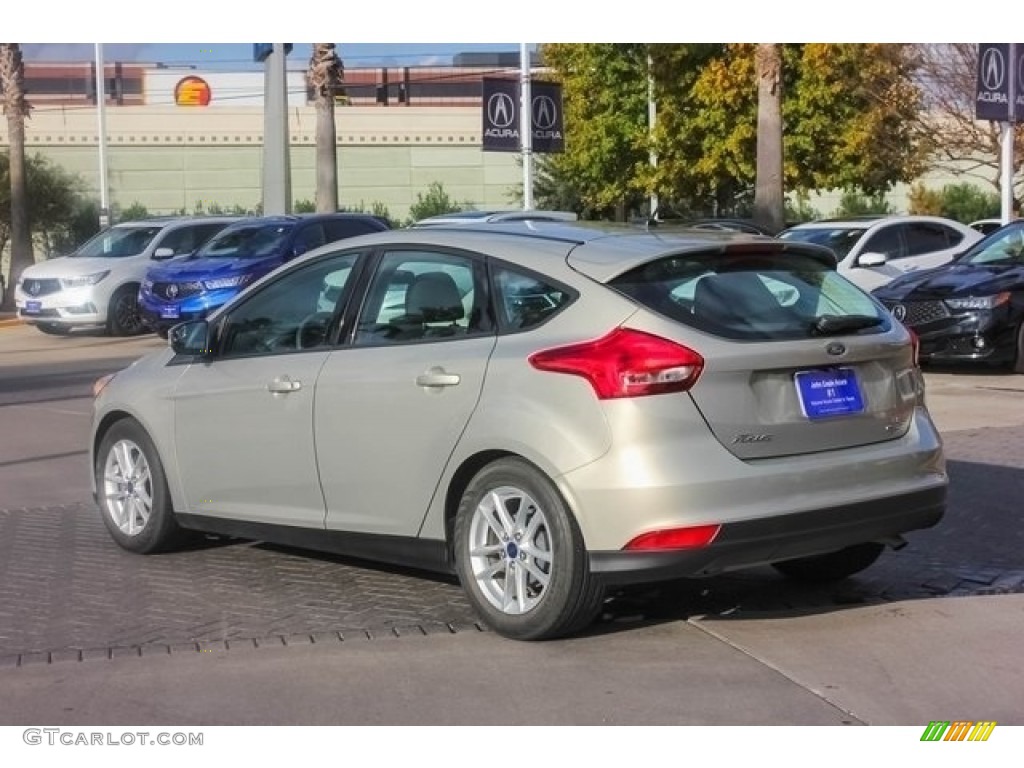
(187, 138)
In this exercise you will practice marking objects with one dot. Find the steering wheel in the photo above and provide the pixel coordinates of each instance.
(312, 331)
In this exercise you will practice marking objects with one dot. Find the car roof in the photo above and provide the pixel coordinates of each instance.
(460, 217)
(866, 222)
(600, 250)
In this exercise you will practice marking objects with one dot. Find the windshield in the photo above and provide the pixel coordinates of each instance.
(1003, 247)
(840, 239)
(118, 242)
(253, 241)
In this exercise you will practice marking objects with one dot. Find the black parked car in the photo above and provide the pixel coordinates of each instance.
(971, 309)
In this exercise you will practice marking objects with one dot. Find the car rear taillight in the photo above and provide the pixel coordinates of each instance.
(675, 538)
(625, 363)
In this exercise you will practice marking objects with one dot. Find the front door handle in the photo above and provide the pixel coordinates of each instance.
(284, 384)
(438, 377)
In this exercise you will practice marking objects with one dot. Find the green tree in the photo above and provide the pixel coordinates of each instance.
(848, 112)
(55, 199)
(963, 202)
(16, 108)
(605, 102)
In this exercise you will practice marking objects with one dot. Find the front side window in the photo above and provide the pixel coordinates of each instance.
(773, 296)
(888, 241)
(839, 239)
(417, 295)
(118, 242)
(293, 313)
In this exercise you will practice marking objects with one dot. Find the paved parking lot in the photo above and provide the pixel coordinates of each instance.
(67, 591)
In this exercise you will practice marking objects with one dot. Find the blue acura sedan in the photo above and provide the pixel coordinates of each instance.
(191, 288)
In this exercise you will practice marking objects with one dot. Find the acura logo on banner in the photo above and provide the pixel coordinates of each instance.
(548, 125)
(501, 115)
(501, 104)
(998, 64)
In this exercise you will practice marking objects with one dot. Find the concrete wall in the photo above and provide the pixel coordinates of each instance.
(168, 157)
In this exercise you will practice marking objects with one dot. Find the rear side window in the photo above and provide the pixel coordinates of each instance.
(773, 296)
(525, 300)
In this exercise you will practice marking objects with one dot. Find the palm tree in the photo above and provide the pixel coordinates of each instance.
(325, 76)
(769, 202)
(16, 107)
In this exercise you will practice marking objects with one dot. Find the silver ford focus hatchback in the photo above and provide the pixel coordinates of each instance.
(544, 409)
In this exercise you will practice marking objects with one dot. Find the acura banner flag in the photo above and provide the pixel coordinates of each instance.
(501, 123)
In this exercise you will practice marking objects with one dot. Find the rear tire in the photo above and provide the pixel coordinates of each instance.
(123, 317)
(520, 555)
(832, 566)
(132, 490)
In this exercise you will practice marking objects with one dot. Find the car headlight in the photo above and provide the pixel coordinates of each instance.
(979, 302)
(226, 282)
(82, 280)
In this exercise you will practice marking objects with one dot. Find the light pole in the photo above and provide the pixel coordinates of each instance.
(101, 127)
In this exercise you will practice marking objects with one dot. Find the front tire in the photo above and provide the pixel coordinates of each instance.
(123, 316)
(520, 555)
(132, 491)
(832, 566)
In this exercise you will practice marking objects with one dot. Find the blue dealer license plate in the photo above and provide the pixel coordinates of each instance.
(829, 393)
(33, 307)
(169, 313)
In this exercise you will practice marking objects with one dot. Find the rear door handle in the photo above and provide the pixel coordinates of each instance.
(284, 384)
(437, 377)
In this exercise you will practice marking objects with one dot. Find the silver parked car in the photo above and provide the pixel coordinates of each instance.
(545, 409)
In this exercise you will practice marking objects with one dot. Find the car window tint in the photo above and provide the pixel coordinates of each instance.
(926, 237)
(337, 229)
(887, 240)
(309, 237)
(525, 300)
(420, 295)
(186, 239)
(772, 296)
(840, 240)
(292, 313)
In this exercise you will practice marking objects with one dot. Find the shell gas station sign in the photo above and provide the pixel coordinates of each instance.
(192, 91)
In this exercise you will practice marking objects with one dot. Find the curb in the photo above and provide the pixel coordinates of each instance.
(8, 322)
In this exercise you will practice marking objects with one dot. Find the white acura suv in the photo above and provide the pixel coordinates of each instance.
(98, 284)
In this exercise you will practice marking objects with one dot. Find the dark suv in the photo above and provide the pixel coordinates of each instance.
(239, 255)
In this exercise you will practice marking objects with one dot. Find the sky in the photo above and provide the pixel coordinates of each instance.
(239, 55)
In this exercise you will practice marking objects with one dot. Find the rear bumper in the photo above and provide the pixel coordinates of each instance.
(748, 543)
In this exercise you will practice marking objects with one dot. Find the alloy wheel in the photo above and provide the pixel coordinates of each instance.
(510, 550)
(128, 487)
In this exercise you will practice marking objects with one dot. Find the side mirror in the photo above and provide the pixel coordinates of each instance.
(871, 260)
(191, 338)
(163, 253)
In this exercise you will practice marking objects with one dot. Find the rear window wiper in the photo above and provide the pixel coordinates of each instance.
(829, 325)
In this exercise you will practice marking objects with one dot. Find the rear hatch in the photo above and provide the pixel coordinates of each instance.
(796, 358)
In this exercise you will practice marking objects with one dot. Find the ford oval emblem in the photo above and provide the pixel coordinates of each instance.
(836, 349)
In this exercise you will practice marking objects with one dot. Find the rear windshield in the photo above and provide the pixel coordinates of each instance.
(754, 296)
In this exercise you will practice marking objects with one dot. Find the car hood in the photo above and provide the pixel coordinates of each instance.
(76, 266)
(202, 269)
(954, 280)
